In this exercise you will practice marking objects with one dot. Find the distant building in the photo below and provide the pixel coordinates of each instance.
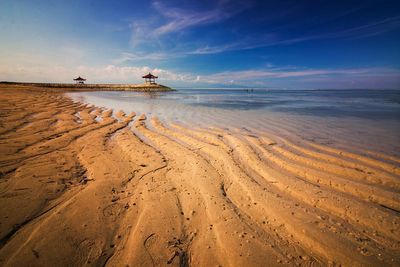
(150, 78)
(80, 80)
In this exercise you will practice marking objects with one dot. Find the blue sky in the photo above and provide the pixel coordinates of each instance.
(277, 44)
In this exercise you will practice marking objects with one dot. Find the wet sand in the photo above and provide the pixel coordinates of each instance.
(81, 185)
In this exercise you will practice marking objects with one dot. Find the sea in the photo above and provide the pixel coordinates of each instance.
(357, 119)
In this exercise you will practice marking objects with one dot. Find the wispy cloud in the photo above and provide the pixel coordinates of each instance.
(264, 77)
(152, 35)
(363, 31)
(367, 30)
(140, 33)
(179, 19)
(291, 76)
(176, 20)
(132, 57)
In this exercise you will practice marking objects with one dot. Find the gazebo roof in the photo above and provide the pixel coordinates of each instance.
(149, 76)
(79, 79)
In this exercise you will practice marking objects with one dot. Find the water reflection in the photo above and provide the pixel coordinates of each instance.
(151, 95)
(329, 114)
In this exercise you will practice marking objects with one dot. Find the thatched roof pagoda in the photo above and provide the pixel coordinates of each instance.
(80, 80)
(150, 78)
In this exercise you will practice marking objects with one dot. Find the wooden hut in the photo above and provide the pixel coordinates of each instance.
(80, 80)
(150, 78)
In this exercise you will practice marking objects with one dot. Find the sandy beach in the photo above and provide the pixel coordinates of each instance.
(81, 185)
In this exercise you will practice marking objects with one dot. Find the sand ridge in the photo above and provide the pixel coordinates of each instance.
(81, 185)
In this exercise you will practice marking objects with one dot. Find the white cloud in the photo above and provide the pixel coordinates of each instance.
(367, 77)
(109, 73)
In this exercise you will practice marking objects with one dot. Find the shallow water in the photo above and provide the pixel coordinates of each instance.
(359, 119)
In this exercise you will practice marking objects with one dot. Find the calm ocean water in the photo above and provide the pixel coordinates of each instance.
(360, 117)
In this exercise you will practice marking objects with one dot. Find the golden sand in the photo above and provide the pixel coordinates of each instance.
(80, 185)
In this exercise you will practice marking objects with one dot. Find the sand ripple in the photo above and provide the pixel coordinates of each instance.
(82, 185)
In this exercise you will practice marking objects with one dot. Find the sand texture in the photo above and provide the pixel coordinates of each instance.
(80, 185)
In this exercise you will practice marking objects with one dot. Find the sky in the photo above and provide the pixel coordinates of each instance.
(204, 44)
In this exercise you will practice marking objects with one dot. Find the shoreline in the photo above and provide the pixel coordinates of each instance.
(91, 87)
(124, 189)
